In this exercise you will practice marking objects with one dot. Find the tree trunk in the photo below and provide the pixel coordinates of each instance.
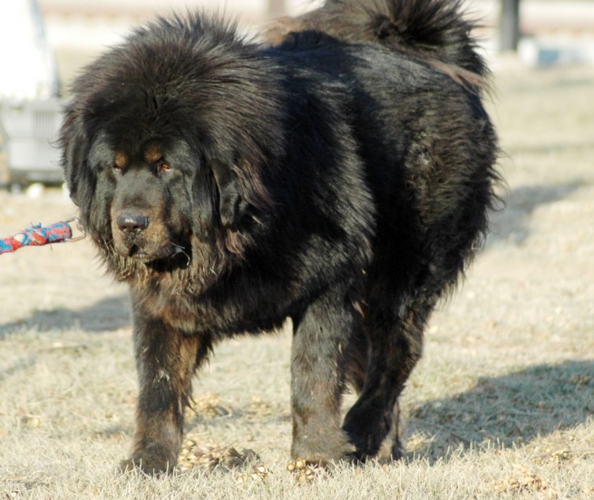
(510, 25)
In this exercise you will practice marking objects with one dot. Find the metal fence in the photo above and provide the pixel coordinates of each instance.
(29, 131)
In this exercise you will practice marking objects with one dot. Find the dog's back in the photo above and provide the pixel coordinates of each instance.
(414, 78)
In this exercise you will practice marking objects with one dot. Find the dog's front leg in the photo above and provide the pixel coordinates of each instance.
(166, 360)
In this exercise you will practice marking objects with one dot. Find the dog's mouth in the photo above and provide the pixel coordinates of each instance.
(172, 255)
(136, 253)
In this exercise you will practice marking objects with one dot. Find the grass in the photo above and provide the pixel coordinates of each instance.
(500, 407)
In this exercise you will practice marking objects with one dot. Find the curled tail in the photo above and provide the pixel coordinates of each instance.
(433, 29)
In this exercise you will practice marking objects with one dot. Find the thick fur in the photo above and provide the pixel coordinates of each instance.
(339, 174)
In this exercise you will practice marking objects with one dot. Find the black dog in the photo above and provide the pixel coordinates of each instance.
(339, 175)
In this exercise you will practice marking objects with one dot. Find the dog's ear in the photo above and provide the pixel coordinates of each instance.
(231, 204)
(75, 145)
(71, 140)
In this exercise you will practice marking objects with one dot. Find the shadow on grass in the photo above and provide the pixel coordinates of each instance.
(512, 224)
(106, 315)
(506, 410)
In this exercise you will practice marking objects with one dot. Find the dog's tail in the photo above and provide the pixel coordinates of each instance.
(433, 29)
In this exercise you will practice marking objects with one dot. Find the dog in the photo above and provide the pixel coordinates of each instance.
(339, 172)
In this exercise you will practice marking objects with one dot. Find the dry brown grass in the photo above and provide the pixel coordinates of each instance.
(502, 405)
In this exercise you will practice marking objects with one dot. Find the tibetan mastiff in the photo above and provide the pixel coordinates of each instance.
(338, 172)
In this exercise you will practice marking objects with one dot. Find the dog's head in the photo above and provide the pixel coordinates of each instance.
(169, 139)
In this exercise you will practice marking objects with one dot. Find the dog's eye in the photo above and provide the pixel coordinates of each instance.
(164, 167)
(117, 168)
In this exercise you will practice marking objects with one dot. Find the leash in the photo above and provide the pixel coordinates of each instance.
(37, 235)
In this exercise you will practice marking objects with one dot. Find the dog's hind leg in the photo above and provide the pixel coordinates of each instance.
(396, 339)
(357, 357)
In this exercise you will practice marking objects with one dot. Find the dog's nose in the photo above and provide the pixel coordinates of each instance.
(132, 223)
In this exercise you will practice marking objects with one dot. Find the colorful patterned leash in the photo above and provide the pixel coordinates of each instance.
(39, 236)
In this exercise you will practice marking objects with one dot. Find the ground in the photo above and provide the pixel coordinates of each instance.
(501, 406)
